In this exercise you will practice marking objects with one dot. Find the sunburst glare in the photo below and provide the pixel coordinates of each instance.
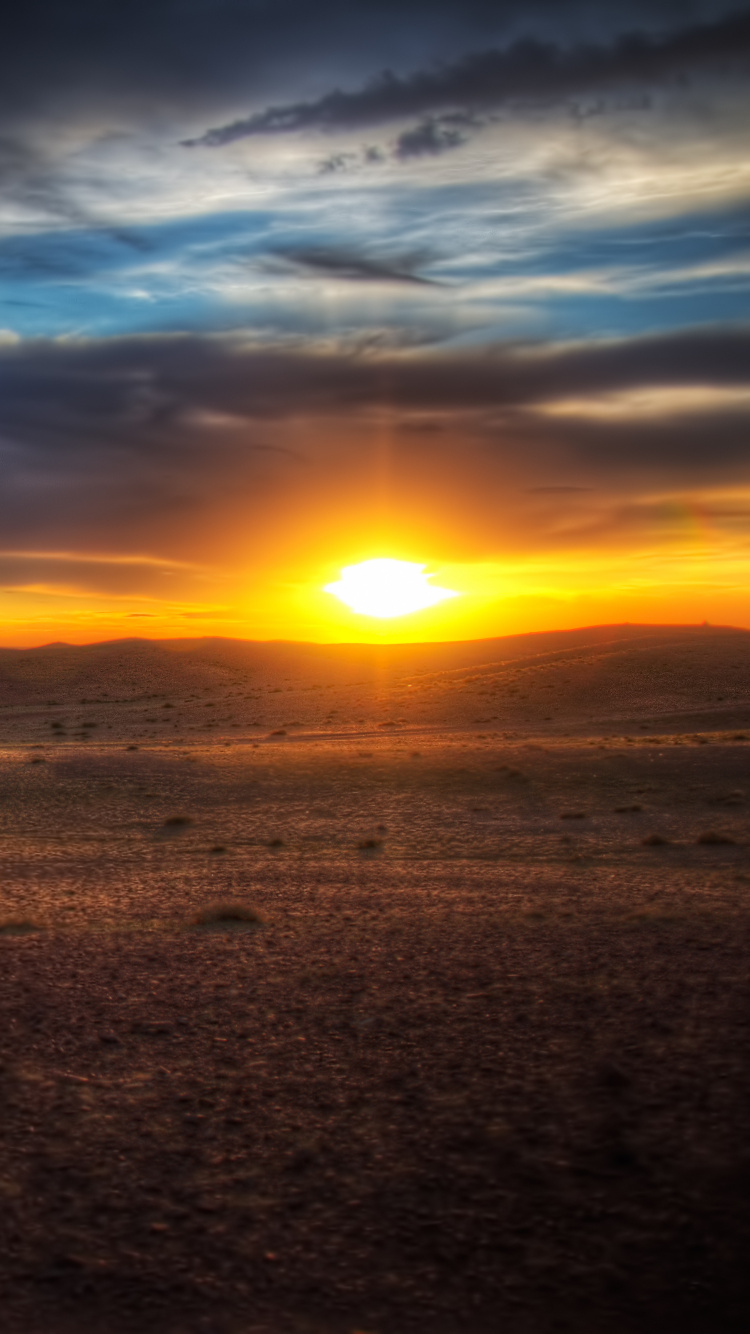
(386, 588)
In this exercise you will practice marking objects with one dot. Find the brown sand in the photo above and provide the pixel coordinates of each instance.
(483, 1063)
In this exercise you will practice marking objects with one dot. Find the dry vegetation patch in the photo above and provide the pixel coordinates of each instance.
(18, 926)
(370, 844)
(226, 916)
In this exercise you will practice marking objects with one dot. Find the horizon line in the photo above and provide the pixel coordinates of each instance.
(376, 644)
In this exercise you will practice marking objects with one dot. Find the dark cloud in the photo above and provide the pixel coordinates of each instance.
(433, 136)
(529, 69)
(141, 395)
(329, 262)
(143, 383)
(680, 450)
(62, 56)
(133, 444)
(337, 162)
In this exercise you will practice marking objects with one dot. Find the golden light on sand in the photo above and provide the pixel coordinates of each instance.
(387, 588)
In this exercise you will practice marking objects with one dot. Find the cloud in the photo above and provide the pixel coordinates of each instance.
(332, 262)
(338, 162)
(147, 406)
(152, 384)
(199, 450)
(62, 62)
(372, 334)
(528, 70)
(115, 574)
(433, 136)
(31, 176)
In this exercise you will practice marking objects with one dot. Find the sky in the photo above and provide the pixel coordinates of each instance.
(286, 287)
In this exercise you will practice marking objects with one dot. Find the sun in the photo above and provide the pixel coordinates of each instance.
(386, 588)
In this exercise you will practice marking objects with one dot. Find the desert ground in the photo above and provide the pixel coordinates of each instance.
(379, 990)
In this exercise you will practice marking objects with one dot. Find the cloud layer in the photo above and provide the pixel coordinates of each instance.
(528, 70)
(118, 441)
(475, 277)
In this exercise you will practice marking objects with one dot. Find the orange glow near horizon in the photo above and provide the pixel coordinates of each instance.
(684, 583)
(552, 563)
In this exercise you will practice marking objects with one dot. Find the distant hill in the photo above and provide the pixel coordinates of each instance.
(133, 668)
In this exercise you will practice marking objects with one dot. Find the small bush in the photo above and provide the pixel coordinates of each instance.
(370, 844)
(177, 821)
(226, 915)
(18, 926)
(573, 815)
(654, 841)
(712, 838)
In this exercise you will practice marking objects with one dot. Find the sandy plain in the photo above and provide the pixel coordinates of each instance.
(481, 1064)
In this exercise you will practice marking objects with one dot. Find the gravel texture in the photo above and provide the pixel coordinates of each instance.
(464, 1064)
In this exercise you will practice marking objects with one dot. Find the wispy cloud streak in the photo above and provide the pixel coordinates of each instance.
(527, 70)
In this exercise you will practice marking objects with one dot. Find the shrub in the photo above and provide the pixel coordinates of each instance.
(18, 926)
(226, 915)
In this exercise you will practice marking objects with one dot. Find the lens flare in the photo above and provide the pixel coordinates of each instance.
(386, 588)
